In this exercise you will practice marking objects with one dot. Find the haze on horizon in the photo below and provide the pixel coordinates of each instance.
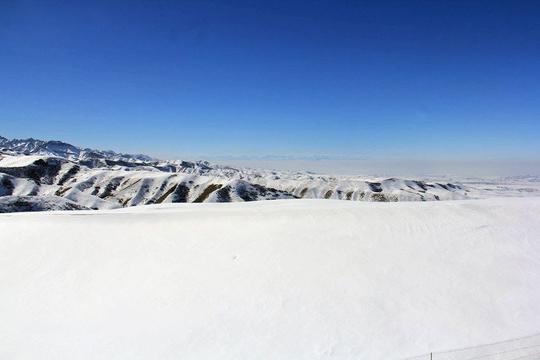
(386, 87)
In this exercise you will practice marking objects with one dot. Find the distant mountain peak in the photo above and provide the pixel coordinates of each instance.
(31, 146)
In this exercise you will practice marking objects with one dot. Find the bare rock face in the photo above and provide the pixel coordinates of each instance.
(41, 171)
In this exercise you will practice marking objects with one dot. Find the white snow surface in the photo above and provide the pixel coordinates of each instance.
(19, 161)
(302, 279)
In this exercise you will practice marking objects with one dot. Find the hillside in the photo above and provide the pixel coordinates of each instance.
(306, 279)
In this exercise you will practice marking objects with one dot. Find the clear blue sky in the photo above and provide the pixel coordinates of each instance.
(339, 78)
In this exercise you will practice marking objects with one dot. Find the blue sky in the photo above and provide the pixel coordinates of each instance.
(398, 79)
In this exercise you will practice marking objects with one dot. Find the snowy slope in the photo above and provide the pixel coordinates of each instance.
(10, 204)
(305, 279)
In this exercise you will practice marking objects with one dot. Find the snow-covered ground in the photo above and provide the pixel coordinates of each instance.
(286, 279)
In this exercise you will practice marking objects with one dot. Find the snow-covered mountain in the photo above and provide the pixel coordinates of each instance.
(105, 179)
(297, 279)
(64, 150)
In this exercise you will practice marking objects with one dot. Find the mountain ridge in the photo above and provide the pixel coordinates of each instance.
(64, 149)
(98, 179)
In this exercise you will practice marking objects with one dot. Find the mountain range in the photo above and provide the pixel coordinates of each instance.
(54, 175)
